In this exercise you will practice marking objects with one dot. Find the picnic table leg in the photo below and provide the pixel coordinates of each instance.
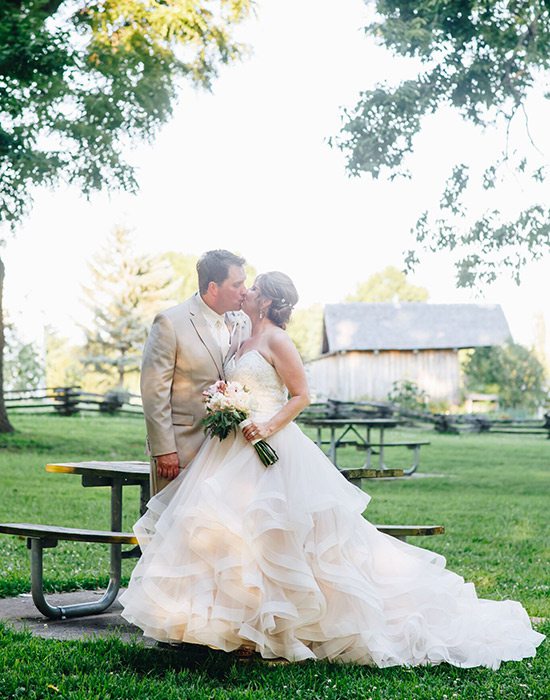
(144, 496)
(332, 453)
(368, 450)
(381, 457)
(319, 437)
(116, 506)
(416, 461)
(37, 545)
(59, 612)
(116, 526)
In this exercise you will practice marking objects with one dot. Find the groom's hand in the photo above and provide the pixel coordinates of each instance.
(168, 466)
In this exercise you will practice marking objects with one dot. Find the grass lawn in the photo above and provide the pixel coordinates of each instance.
(492, 498)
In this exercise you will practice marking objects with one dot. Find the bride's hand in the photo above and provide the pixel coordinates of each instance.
(257, 431)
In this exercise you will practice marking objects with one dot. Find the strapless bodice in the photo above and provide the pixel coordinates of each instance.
(266, 388)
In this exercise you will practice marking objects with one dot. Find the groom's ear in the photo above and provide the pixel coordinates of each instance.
(212, 289)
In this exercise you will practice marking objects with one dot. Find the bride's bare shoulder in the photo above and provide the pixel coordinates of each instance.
(280, 342)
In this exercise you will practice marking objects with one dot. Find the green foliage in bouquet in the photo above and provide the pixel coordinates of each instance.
(221, 423)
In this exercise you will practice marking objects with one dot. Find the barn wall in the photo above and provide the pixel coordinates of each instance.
(351, 376)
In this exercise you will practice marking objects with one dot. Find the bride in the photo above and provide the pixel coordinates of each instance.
(280, 558)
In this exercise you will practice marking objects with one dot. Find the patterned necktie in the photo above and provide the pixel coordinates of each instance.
(223, 336)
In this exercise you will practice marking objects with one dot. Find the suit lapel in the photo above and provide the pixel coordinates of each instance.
(236, 335)
(204, 333)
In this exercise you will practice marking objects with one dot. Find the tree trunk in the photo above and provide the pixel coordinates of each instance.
(121, 372)
(5, 425)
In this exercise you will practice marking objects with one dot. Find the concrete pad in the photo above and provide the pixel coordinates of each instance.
(20, 613)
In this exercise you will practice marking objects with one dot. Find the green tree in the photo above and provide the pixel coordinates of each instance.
(306, 330)
(63, 364)
(408, 396)
(79, 79)
(127, 290)
(185, 272)
(23, 366)
(512, 371)
(388, 285)
(481, 59)
(5, 425)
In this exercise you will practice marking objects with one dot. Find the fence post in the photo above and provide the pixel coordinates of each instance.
(68, 397)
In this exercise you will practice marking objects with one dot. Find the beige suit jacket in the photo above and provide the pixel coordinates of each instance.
(181, 359)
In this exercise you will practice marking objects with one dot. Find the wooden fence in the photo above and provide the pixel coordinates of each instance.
(441, 422)
(70, 400)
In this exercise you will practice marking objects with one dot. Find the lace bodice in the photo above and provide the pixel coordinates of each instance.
(268, 392)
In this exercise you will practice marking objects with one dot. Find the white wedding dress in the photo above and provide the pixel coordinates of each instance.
(281, 559)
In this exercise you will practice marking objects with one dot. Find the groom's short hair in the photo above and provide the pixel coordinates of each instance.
(213, 266)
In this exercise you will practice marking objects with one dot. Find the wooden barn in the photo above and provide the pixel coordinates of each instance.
(367, 347)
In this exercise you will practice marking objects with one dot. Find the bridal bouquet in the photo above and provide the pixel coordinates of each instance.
(228, 407)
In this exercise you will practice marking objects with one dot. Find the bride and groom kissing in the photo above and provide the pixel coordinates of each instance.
(191, 345)
(280, 560)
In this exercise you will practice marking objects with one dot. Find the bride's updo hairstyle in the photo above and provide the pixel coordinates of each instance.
(281, 290)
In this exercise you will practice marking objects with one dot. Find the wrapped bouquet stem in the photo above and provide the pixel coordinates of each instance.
(227, 408)
(265, 452)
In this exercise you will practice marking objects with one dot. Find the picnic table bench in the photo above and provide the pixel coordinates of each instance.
(115, 475)
(40, 537)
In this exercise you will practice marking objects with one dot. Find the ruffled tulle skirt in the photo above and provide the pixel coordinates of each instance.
(281, 559)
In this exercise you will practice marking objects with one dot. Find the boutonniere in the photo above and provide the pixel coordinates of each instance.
(237, 320)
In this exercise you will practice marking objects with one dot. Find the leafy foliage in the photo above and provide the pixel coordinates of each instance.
(512, 371)
(389, 285)
(78, 79)
(408, 396)
(306, 330)
(23, 366)
(63, 363)
(185, 271)
(482, 59)
(221, 423)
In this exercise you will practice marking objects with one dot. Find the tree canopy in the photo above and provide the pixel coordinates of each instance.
(512, 371)
(481, 58)
(389, 285)
(80, 79)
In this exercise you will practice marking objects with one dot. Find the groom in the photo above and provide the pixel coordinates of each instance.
(185, 353)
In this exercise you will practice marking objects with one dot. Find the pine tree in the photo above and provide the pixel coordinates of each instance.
(127, 290)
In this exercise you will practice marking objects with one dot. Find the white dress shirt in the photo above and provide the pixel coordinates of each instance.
(217, 325)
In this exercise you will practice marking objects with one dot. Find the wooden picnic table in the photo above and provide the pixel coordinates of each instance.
(360, 430)
(112, 474)
(116, 475)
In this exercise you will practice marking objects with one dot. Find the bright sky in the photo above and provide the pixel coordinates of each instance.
(247, 168)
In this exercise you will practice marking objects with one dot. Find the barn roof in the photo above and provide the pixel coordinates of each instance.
(412, 326)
